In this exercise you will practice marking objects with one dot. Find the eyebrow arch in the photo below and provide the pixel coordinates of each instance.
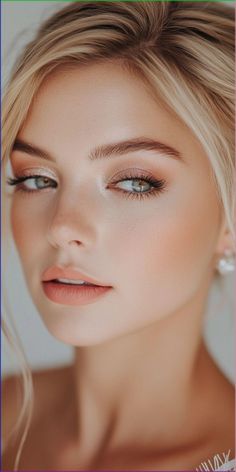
(107, 150)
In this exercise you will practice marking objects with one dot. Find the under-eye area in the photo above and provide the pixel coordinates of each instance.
(116, 131)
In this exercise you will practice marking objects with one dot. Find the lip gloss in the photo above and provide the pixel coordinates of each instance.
(67, 294)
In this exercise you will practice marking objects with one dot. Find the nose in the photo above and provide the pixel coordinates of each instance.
(72, 223)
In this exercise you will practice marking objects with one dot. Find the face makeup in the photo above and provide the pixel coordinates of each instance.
(68, 286)
(112, 183)
(73, 294)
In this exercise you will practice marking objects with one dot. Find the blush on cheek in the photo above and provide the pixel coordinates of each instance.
(182, 253)
(170, 254)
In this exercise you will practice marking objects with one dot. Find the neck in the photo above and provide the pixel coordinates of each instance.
(139, 384)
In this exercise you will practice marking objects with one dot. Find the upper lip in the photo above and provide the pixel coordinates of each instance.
(56, 272)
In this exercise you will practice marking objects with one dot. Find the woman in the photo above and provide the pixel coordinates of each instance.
(118, 124)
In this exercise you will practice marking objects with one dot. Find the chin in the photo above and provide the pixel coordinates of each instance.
(83, 339)
(88, 334)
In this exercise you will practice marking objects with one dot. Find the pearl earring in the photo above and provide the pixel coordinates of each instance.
(226, 263)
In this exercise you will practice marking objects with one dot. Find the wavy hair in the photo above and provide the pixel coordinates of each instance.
(183, 50)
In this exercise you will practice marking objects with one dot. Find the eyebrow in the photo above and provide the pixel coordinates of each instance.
(107, 150)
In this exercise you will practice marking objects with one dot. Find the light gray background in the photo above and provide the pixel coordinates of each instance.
(19, 20)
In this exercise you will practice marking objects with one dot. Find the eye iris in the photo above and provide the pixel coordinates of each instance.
(141, 185)
(41, 181)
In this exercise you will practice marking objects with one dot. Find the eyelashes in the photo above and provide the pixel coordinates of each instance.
(158, 186)
(17, 181)
(139, 180)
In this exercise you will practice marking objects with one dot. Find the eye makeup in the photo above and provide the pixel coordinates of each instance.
(158, 185)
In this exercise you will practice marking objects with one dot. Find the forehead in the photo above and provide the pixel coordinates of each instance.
(99, 103)
(98, 90)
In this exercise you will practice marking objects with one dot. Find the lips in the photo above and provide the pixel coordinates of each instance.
(72, 294)
(57, 272)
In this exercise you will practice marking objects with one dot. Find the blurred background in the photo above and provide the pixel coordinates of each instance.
(19, 22)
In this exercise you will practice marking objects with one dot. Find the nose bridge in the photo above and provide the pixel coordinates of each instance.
(72, 219)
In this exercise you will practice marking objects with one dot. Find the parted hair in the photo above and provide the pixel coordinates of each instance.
(184, 51)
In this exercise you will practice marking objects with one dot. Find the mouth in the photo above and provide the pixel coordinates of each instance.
(73, 282)
(69, 275)
(73, 292)
(69, 286)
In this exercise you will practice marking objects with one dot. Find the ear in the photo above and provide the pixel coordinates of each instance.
(225, 240)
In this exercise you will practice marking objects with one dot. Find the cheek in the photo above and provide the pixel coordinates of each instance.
(169, 250)
(27, 225)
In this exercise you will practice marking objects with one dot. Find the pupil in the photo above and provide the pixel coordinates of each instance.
(41, 181)
(141, 184)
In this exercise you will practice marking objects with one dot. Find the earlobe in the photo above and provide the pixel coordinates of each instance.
(225, 251)
(226, 262)
(225, 240)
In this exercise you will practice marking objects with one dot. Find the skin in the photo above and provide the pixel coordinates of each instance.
(140, 361)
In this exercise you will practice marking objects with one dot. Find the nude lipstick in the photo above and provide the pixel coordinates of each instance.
(69, 286)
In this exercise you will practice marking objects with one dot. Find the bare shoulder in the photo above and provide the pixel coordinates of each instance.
(11, 408)
(45, 382)
(11, 405)
(48, 388)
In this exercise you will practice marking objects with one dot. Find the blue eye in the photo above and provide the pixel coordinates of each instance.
(139, 185)
(134, 186)
(34, 183)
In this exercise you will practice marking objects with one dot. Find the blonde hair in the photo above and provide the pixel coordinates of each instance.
(183, 50)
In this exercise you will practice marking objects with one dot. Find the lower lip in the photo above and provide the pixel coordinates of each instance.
(73, 294)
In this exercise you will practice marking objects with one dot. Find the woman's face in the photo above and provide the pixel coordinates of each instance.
(154, 246)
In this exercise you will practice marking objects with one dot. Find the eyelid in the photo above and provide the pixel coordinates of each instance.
(32, 172)
(131, 172)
